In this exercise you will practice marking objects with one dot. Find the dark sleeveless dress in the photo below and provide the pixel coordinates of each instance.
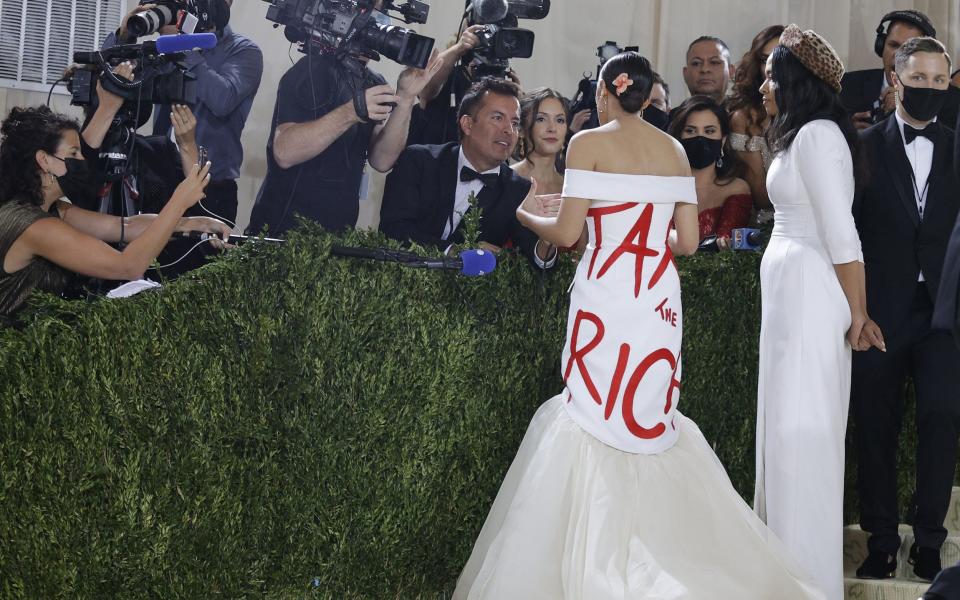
(15, 217)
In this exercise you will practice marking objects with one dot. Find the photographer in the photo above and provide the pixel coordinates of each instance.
(159, 163)
(44, 239)
(434, 119)
(320, 139)
(228, 77)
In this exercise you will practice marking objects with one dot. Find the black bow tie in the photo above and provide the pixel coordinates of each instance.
(910, 134)
(487, 179)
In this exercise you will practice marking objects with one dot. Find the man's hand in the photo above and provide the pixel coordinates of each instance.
(888, 100)
(412, 81)
(579, 120)
(380, 100)
(511, 75)
(469, 39)
(184, 125)
(489, 247)
(862, 120)
(108, 100)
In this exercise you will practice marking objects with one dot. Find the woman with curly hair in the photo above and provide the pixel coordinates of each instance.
(43, 238)
(749, 120)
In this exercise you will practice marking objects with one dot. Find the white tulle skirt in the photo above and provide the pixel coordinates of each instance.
(577, 519)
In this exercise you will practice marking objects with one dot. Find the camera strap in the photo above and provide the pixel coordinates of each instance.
(360, 104)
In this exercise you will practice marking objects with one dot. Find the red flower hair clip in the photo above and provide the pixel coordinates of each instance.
(622, 82)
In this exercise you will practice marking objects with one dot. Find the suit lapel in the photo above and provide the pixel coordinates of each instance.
(900, 169)
(448, 176)
(938, 167)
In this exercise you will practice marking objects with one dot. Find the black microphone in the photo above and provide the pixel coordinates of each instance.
(470, 262)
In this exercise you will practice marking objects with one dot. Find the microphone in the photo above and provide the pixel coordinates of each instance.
(171, 44)
(471, 263)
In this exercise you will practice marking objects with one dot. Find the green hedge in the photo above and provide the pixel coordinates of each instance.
(283, 423)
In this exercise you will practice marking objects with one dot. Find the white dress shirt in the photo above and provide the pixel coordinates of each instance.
(920, 155)
(461, 201)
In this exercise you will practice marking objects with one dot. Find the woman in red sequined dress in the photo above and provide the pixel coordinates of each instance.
(723, 199)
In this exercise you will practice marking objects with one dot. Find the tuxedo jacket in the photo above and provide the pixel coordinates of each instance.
(860, 89)
(897, 245)
(419, 196)
(947, 312)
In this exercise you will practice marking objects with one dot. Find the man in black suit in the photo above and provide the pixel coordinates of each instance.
(428, 191)
(904, 214)
(867, 94)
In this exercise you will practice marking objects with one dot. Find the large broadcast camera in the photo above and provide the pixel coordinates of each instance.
(154, 83)
(501, 39)
(349, 28)
(586, 96)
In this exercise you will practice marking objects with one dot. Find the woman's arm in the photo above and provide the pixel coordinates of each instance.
(74, 250)
(564, 229)
(685, 236)
(755, 175)
(108, 228)
(863, 332)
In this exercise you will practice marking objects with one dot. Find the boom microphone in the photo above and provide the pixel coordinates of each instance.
(171, 44)
(470, 262)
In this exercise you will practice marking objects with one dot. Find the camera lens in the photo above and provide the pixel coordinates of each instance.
(398, 44)
(150, 21)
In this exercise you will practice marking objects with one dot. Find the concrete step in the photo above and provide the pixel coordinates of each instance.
(889, 589)
(855, 551)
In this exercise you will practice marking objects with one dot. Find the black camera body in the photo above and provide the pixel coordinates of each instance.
(190, 16)
(348, 28)
(501, 39)
(150, 86)
(586, 96)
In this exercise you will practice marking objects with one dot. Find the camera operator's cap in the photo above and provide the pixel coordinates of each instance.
(815, 53)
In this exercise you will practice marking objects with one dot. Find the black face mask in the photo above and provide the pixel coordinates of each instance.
(656, 117)
(923, 104)
(75, 183)
(701, 151)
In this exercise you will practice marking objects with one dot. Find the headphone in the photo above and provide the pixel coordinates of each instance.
(911, 17)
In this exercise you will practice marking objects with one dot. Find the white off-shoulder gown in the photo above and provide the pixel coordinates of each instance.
(804, 382)
(613, 494)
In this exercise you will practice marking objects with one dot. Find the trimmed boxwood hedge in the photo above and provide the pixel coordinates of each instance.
(285, 423)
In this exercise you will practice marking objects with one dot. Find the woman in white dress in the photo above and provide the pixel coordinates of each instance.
(613, 494)
(814, 312)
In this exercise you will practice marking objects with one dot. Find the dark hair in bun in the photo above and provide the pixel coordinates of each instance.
(638, 69)
(26, 130)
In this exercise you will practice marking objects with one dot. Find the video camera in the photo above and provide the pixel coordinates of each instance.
(586, 96)
(501, 39)
(153, 83)
(190, 16)
(350, 28)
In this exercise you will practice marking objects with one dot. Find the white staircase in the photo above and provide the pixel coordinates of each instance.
(905, 586)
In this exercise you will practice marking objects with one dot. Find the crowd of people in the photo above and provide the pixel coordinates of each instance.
(860, 171)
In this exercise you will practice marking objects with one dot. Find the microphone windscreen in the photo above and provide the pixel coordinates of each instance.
(478, 262)
(486, 12)
(170, 44)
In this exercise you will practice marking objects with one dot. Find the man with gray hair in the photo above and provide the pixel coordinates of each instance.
(904, 213)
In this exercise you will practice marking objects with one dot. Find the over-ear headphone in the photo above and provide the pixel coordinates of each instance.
(913, 17)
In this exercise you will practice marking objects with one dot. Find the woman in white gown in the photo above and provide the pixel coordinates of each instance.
(613, 494)
(813, 296)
